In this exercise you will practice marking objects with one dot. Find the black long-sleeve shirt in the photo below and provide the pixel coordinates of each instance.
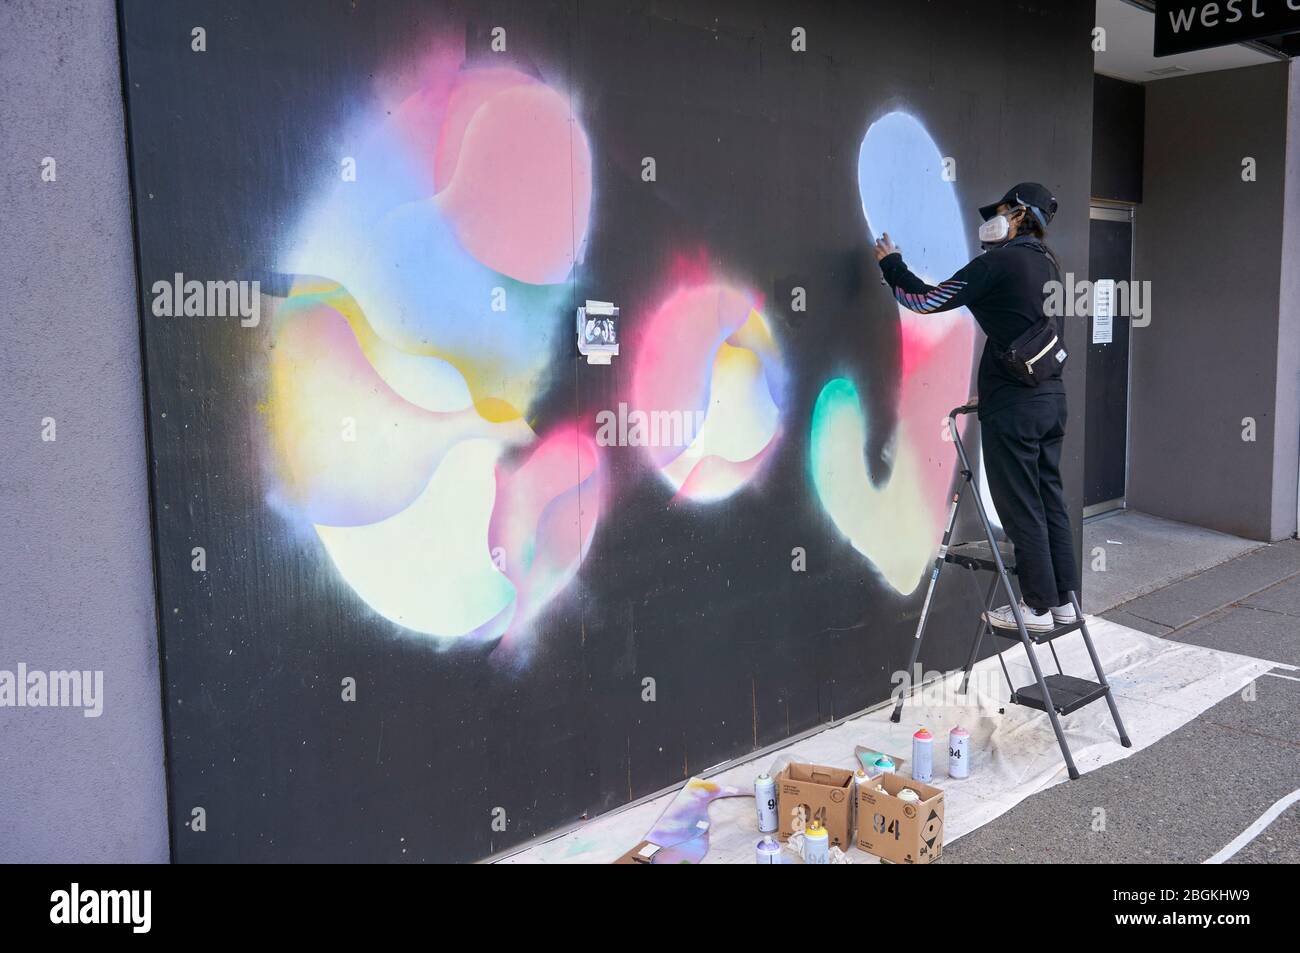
(1004, 288)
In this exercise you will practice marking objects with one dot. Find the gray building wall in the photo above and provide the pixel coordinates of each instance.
(76, 574)
(1286, 458)
(1209, 243)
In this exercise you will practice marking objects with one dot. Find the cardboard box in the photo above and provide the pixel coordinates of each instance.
(812, 792)
(642, 853)
(898, 831)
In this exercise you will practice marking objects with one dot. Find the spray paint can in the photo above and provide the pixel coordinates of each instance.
(884, 765)
(768, 851)
(765, 799)
(922, 755)
(861, 782)
(959, 753)
(816, 844)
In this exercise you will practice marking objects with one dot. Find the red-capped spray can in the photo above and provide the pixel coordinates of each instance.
(922, 755)
(959, 753)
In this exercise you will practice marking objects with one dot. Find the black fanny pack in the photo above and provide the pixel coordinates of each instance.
(1039, 354)
(1036, 356)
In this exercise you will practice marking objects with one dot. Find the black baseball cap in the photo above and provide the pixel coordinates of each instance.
(1031, 194)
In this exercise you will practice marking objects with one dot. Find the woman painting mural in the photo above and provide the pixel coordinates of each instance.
(1021, 397)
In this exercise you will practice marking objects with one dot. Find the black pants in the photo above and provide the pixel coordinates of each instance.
(1022, 461)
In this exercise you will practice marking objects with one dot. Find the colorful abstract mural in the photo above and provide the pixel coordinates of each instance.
(896, 523)
(456, 586)
(708, 354)
(400, 383)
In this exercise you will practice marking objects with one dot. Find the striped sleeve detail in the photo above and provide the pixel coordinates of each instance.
(932, 300)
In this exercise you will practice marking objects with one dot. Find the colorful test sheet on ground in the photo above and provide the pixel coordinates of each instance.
(682, 831)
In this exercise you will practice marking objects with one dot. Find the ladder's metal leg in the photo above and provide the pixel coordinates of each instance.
(1011, 686)
(1056, 658)
(979, 634)
(906, 685)
(1015, 611)
(925, 606)
(1101, 676)
(1042, 684)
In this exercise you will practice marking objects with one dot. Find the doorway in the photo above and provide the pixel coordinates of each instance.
(1105, 463)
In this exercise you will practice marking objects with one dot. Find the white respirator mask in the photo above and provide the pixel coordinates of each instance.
(995, 230)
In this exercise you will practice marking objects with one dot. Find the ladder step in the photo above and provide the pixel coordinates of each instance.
(1068, 693)
(1039, 638)
(978, 556)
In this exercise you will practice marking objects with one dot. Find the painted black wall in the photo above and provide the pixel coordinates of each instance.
(757, 155)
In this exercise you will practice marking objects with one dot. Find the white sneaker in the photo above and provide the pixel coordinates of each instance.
(1036, 620)
(1064, 615)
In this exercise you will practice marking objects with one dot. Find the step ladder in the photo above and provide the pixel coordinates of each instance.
(1058, 694)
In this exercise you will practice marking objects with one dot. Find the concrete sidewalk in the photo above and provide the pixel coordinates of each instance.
(1187, 796)
(1129, 554)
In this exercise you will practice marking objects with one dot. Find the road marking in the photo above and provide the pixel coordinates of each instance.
(1250, 833)
(1289, 678)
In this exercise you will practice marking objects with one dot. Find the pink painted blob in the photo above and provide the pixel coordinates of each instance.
(677, 350)
(515, 176)
(930, 366)
(545, 517)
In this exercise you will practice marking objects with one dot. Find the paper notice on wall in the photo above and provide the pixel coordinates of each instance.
(1103, 311)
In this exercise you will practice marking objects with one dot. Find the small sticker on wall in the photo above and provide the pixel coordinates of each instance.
(598, 332)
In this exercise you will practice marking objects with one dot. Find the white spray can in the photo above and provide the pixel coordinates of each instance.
(765, 798)
(922, 755)
(959, 753)
(861, 781)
